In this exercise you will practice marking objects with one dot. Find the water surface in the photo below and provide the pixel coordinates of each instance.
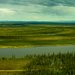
(19, 52)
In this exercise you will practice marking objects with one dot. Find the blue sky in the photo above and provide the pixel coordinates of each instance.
(37, 10)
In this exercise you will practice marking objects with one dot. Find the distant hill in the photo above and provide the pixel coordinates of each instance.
(23, 23)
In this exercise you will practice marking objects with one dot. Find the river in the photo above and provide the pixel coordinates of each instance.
(19, 52)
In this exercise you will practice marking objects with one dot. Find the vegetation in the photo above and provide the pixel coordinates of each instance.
(60, 64)
(36, 35)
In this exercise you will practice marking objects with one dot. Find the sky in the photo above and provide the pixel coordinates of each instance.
(37, 10)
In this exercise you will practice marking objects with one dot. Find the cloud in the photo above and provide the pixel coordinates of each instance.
(6, 11)
(64, 10)
(36, 12)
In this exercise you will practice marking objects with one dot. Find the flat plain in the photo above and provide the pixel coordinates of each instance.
(36, 35)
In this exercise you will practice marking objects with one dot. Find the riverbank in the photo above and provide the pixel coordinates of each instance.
(33, 46)
(51, 64)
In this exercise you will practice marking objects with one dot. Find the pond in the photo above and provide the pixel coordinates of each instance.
(19, 52)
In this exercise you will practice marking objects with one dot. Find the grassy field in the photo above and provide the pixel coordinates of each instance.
(36, 35)
(60, 64)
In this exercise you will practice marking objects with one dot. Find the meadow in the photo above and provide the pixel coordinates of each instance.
(36, 35)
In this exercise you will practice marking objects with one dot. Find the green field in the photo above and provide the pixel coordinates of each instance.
(60, 64)
(36, 35)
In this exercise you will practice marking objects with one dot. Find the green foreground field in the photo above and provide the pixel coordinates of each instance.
(36, 35)
(60, 64)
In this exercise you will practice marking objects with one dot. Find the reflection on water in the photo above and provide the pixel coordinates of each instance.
(18, 52)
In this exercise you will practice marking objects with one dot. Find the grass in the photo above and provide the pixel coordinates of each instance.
(36, 35)
(60, 64)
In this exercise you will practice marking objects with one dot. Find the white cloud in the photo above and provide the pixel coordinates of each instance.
(6, 11)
